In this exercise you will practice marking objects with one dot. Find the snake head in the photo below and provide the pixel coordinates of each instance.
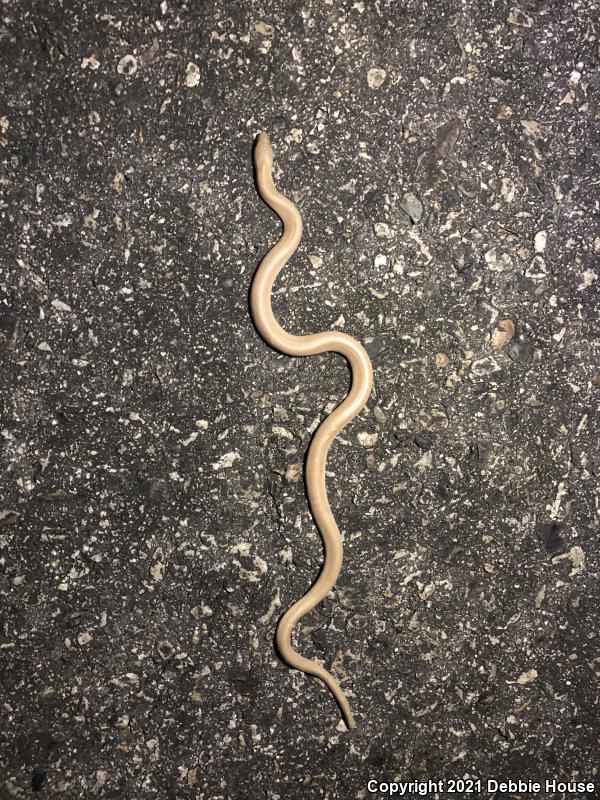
(263, 154)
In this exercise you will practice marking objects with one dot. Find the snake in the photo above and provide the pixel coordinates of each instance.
(316, 458)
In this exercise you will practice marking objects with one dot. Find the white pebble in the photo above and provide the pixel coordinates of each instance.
(375, 77)
(127, 65)
(367, 439)
(192, 75)
(527, 677)
(540, 241)
(226, 461)
(60, 306)
(383, 230)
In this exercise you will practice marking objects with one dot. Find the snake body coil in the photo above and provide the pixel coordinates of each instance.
(362, 381)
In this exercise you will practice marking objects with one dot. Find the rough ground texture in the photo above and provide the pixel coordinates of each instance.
(154, 523)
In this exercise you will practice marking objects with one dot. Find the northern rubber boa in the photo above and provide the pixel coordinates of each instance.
(316, 459)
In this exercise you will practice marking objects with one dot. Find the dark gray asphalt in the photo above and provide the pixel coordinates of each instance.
(444, 156)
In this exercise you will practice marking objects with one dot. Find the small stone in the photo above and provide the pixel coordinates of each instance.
(383, 230)
(447, 137)
(568, 99)
(117, 182)
(201, 611)
(60, 306)
(502, 335)
(367, 439)
(192, 777)
(127, 65)
(293, 472)
(423, 442)
(508, 190)
(374, 345)
(518, 17)
(497, 261)
(319, 637)
(433, 421)
(379, 415)
(264, 29)
(89, 220)
(84, 638)
(91, 62)
(520, 351)
(192, 75)
(533, 129)
(165, 650)
(540, 241)
(427, 591)
(441, 360)
(527, 677)
(8, 517)
(412, 206)
(577, 558)
(101, 778)
(189, 439)
(482, 367)
(226, 461)
(589, 276)
(63, 220)
(375, 77)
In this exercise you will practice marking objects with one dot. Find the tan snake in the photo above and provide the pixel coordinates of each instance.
(316, 459)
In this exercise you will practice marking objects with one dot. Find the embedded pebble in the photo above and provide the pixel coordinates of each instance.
(264, 29)
(192, 75)
(502, 335)
(376, 77)
(540, 241)
(412, 206)
(527, 677)
(508, 190)
(59, 305)
(293, 472)
(127, 65)
(498, 261)
(383, 230)
(8, 517)
(367, 439)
